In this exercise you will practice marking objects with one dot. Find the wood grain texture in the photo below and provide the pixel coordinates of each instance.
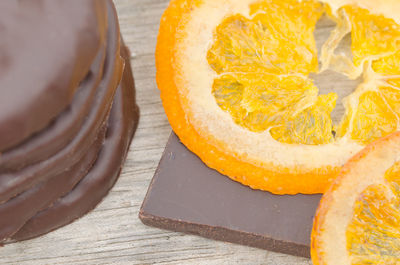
(112, 233)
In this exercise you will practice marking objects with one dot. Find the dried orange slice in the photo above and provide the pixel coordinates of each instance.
(235, 82)
(358, 220)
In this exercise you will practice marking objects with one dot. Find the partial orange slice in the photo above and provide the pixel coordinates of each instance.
(235, 82)
(358, 220)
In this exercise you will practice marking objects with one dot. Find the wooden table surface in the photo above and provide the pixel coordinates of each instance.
(112, 233)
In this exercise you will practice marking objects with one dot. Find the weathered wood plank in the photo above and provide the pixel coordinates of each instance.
(112, 233)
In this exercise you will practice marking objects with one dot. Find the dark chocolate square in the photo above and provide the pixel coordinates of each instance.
(187, 196)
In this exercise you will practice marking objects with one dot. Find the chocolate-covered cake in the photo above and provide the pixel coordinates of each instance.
(67, 111)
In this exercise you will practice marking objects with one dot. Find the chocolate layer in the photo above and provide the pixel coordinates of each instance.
(12, 184)
(15, 212)
(92, 188)
(62, 36)
(62, 130)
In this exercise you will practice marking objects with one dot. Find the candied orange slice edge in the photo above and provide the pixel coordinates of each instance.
(357, 221)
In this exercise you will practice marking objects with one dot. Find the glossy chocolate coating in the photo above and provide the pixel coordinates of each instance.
(17, 211)
(63, 171)
(96, 184)
(62, 130)
(14, 183)
(46, 50)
